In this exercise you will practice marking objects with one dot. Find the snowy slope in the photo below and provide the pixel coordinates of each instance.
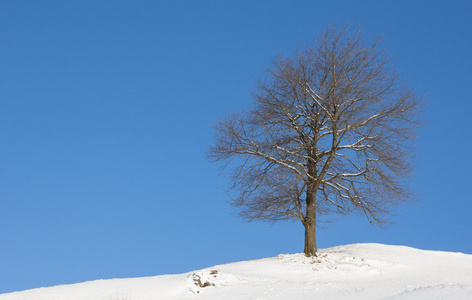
(359, 271)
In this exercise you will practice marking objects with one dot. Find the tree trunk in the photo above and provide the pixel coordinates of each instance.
(310, 239)
(310, 224)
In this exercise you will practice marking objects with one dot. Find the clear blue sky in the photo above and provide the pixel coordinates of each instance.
(105, 114)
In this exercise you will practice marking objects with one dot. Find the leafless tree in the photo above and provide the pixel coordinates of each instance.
(330, 131)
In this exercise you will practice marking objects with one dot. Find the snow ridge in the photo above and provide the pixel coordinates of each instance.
(355, 272)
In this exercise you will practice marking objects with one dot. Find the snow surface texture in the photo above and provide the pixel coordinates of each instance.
(359, 271)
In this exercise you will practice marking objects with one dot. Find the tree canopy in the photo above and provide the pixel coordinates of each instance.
(330, 131)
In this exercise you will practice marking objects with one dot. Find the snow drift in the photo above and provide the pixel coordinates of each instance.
(359, 271)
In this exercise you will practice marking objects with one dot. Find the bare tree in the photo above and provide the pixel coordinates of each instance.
(330, 131)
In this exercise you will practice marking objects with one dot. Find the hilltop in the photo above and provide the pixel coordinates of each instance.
(358, 271)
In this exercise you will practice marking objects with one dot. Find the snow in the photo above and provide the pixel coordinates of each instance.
(359, 271)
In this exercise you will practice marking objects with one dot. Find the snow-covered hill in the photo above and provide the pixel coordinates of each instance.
(359, 271)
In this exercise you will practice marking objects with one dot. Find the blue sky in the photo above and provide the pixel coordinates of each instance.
(105, 114)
